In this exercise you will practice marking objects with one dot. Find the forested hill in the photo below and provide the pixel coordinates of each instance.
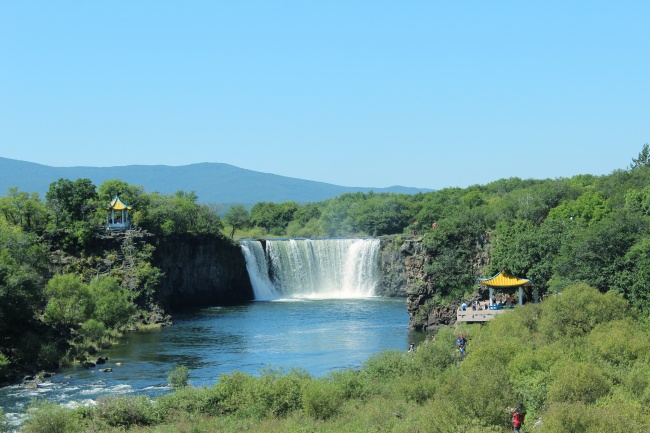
(212, 182)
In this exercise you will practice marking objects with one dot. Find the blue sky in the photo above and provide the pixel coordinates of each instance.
(359, 93)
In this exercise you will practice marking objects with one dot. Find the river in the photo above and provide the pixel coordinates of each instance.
(315, 310)
(318, 335)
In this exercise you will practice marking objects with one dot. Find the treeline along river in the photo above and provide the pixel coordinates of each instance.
(316, 310)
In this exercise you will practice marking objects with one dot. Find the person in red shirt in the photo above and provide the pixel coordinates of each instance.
(517, 420)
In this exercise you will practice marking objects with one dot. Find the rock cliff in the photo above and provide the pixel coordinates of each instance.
(200, 270)
(203, 270)
(402, 265)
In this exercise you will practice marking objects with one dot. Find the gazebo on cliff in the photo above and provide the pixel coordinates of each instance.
(503, 282)
(117, 215)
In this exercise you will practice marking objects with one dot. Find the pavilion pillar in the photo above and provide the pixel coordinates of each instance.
(491, 302)
(521, 295)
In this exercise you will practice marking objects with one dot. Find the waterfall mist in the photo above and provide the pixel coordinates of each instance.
(312, 268)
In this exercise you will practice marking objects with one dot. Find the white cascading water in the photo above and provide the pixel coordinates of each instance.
(318, 268)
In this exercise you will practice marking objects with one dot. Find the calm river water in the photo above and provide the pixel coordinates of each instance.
(317, 335)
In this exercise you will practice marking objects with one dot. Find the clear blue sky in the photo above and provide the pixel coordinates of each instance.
(358, 93)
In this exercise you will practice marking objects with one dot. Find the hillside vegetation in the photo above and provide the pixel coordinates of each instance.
(580, 362)
(584, 241)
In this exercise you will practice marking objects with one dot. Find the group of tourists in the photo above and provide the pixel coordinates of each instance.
(475, 306)
(460, 344)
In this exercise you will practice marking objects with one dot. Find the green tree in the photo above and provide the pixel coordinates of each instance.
(638, 200)
(23, 267)
(23, 209)
(128, 193)
(237, 218)
(380, 214)
(595, 254)
(588, 208)
(633, 280)
(112, 303)
(176, 213)
(69, 302)
(527, 250)
(273, 217)
(578, 309)
(643, 160)
(71, 201)
(453, 246)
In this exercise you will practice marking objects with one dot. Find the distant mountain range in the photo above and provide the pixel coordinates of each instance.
(212, 182)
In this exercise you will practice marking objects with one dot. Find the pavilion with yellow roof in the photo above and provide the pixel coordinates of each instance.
(117, 215)
(503, 281)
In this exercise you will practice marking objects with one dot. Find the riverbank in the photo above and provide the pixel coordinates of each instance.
(318, 336)
(565, 369)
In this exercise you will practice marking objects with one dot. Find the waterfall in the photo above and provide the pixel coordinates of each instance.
(312, 268)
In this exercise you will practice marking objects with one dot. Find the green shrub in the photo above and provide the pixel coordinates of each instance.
(235, 391)
(46, 417)
(4, 366)
(636, 382)
(619, 342)
(321, 399)
(386, 365)
(578, 309)
(481, 388)
(93, 330)
(125, 410)
(351, 384)
(610, 415)
(4, 425)
(438, 354)
(178, 377)
(191, 400)
(113, 305)
(69, 302)
(578, 382)
(27, 350)
(48, 356)
(417, 389)
(279, 393)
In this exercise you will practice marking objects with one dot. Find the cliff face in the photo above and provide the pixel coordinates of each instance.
(208, 270)
(201, 270)
(395, 278)
(402, 264)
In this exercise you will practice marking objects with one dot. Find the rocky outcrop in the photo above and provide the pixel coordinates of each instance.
(393, 279)
(200, 270)
(402, 263)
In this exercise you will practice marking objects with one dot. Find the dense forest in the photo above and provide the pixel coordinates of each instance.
(63, 298)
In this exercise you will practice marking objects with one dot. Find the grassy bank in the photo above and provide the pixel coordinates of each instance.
(579, 361)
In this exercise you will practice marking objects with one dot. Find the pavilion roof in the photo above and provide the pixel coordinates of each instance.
(117, 204)
(504, 280)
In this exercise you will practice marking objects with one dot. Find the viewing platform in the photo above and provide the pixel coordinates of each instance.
(470, 315)
(482, 311)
